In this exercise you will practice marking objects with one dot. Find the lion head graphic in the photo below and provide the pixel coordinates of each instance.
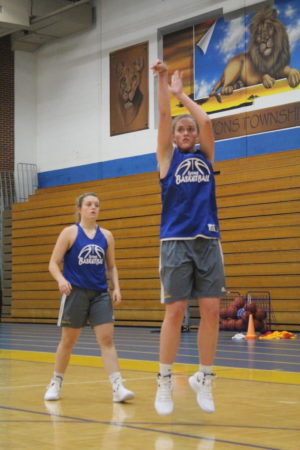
(129, 96)
(266, 60)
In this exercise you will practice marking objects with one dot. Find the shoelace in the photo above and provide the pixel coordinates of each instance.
(117, 382)
(206, 384)
(165, 386)
(55, 383)
(116, 386)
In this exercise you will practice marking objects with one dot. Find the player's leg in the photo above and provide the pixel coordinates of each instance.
(170, 331)
(201, 381)
(209, 286)
(68, 339)
(104, 335)
(72, 317)
(102, 320)
(169, 342)
(176, 271)
(209, 329)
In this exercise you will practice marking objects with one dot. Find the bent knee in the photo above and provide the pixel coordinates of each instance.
(106, 341)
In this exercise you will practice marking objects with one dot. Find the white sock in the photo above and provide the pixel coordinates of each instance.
(165, 369)
(205, 369)
(115, 378)
(58, 375)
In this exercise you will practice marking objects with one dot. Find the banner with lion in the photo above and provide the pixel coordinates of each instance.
(248, 57)
(231, 64)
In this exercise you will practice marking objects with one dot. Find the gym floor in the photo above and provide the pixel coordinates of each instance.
(257, 394)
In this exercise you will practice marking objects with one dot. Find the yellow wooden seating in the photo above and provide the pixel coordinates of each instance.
(259, 210)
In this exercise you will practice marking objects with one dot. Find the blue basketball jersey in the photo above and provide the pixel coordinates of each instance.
(189, 206)
(84, 262)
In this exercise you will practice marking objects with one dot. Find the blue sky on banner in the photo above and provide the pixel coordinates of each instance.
(226, 39)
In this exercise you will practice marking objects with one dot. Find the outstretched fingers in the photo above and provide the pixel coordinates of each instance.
(176, 86)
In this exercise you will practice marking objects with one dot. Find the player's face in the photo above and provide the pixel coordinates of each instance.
(90, 207)
(185, 134)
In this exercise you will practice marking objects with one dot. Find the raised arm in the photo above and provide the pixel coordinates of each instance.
(206, 136)
(164, 137)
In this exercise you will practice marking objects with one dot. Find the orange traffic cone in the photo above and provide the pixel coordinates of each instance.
(251, 330)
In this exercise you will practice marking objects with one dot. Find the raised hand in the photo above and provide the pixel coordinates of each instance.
(158, 66)
(176, 85)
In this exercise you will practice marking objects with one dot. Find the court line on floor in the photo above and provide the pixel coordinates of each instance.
(182, 352)
(70, 383)
(141, 428)
(270, 376)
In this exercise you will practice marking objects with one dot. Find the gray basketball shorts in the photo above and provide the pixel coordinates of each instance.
(191, 268)
(84, 305)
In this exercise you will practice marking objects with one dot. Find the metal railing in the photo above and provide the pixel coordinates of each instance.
(26, 181)
(15, 186)
(7, 189)
(7, 198)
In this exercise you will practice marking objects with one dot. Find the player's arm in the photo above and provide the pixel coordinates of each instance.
(111, 267)
(63, 243)
(206, 136)
(164, 149)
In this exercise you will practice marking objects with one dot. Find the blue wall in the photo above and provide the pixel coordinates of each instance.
(275, 141)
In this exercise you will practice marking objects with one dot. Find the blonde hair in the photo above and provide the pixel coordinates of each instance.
(79, 202)
(184, 116)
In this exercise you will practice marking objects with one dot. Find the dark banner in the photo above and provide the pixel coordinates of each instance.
(258, 121)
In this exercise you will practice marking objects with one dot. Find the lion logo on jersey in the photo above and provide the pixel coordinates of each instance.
(192, 170)
(91, 254)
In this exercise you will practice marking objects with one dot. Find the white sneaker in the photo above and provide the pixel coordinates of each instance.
(163, 400)
(53, 390)
(202, 384)
(121, 394)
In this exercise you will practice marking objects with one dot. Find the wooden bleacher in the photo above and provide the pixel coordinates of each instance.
(259, 210)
